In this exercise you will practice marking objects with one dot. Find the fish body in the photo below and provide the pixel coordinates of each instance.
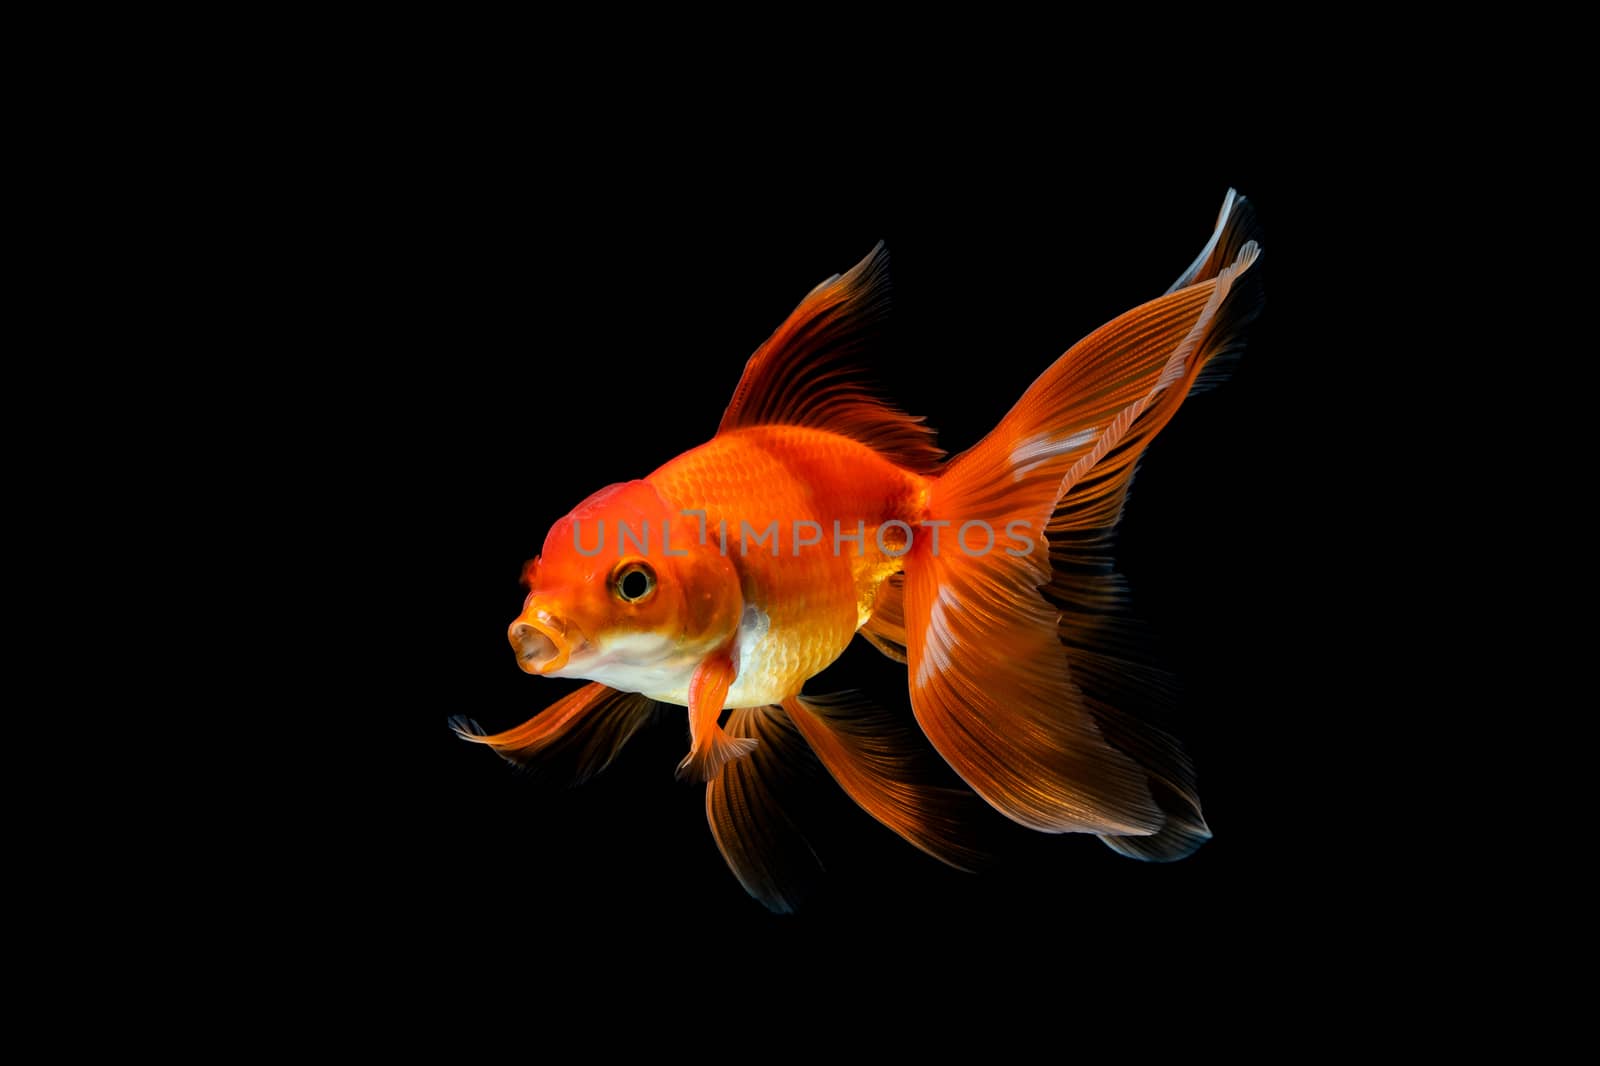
(728, 578)
(802, 511)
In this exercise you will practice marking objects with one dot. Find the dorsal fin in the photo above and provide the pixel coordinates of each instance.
(804, 375)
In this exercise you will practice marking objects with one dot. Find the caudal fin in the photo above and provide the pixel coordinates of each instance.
(1011, 689)
(886, 768)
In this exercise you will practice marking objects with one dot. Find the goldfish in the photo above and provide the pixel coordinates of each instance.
(728, 578)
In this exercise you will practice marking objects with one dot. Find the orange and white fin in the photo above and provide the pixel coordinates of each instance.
(753, 807)
(709, 747)
(1236, 227)
(1236, 224)
(571, 740)
(805, 375)
(888, 770)
(993, 692)
(990, 680)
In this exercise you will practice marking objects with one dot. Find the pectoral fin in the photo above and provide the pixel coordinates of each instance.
(573, 739)
(709, 747)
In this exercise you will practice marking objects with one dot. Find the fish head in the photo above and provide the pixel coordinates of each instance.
(624, 593)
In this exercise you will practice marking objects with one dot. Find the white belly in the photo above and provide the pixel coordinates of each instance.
(763, 660)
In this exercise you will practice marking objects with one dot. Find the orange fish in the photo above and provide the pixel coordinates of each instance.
(729, 577)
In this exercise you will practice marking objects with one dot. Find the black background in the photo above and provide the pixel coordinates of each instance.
(561, 335)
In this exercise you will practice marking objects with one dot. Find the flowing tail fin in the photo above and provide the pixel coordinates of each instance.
(1010, 689)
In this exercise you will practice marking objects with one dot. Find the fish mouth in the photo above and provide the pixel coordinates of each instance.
(540, 642)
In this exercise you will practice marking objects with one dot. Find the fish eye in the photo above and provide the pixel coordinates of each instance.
(634, 581)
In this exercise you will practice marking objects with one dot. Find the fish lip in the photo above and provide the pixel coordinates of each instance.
(534, 657)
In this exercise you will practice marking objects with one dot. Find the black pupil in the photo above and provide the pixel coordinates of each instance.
(635, 583)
